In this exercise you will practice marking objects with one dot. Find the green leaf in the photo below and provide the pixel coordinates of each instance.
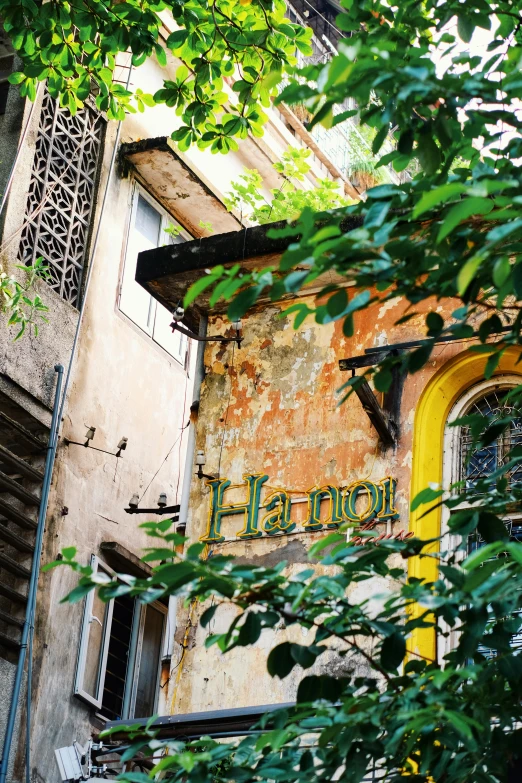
(435, 322)
(337, 303)
(491, 528)
(427, 495)
(177, 39)
(393, 651)
(201, 285)
(428, 154)
(468, 272)
(474, 205)
(465, 27)
(280, 661)
(16, 78)
(243, 302)
(437, 196)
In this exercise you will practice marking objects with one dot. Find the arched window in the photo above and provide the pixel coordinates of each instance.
(464, 462)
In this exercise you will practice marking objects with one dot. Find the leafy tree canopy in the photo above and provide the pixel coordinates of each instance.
(287, 201)
(443, 79)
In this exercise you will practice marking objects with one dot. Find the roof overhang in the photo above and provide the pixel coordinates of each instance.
(168, 178)
(168, 272)
(215, 723)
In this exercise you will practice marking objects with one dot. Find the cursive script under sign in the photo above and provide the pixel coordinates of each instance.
(365, 502)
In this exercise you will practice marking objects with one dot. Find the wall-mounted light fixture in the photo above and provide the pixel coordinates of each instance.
(200, 461)
(89, 435)
(162, 500)
(176, 326)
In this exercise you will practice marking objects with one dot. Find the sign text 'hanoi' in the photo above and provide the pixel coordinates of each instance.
(361, 502)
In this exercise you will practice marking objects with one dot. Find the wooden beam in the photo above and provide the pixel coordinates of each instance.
(366, 360)
(381, 421)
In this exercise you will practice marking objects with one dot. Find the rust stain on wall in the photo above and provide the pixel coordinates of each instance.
(272, 406)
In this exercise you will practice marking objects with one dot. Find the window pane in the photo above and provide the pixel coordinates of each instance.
(149, 663)
(144, 234)
(479, 463)
(173, 342)
(118, 657)
(97, 625)
(148, 221)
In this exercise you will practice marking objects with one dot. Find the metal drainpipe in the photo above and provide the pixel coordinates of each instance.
(191, 445)
(28, 629)
(189, 470)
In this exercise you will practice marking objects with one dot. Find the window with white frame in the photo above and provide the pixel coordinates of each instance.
(150, 227)
(464, 463)
(119, 658)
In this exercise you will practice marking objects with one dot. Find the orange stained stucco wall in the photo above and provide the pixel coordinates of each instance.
(272, 407)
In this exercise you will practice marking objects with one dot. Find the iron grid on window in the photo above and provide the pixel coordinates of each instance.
(480, 463)
(61, 195)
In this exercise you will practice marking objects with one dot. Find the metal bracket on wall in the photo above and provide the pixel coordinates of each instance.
(385, 419)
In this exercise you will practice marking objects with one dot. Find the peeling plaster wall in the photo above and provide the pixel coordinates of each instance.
(122, 384)
(272, 407)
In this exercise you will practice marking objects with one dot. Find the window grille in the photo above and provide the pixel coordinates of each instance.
(480, 463)
(61, 195)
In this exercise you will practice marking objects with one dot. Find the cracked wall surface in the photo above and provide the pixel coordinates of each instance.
(272, 406)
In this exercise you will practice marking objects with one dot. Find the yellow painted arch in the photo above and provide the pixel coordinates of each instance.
(434, 406)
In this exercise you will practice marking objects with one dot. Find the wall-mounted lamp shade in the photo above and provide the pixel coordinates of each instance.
(237, 325)
(133, 502)
(200, 458)
(162, 500)
(89, 435)
(178, 314)
(122, 445)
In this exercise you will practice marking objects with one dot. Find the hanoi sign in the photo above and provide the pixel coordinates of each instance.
(364, 502)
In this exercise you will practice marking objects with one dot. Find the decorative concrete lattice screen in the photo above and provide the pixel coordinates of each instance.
(61, 194)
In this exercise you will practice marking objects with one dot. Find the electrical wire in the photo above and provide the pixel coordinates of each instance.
(228, 408)
(164, 460)
(182, 431)
(324, 18)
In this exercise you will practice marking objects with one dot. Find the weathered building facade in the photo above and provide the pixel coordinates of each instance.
(88, 196)
(285, 463)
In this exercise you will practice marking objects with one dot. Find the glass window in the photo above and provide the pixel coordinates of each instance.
(150, 227)
(120, 654)
(147, 683)
(480, 463)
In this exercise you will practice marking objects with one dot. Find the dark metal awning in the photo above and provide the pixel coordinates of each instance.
(216, 723)
(168, 272)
